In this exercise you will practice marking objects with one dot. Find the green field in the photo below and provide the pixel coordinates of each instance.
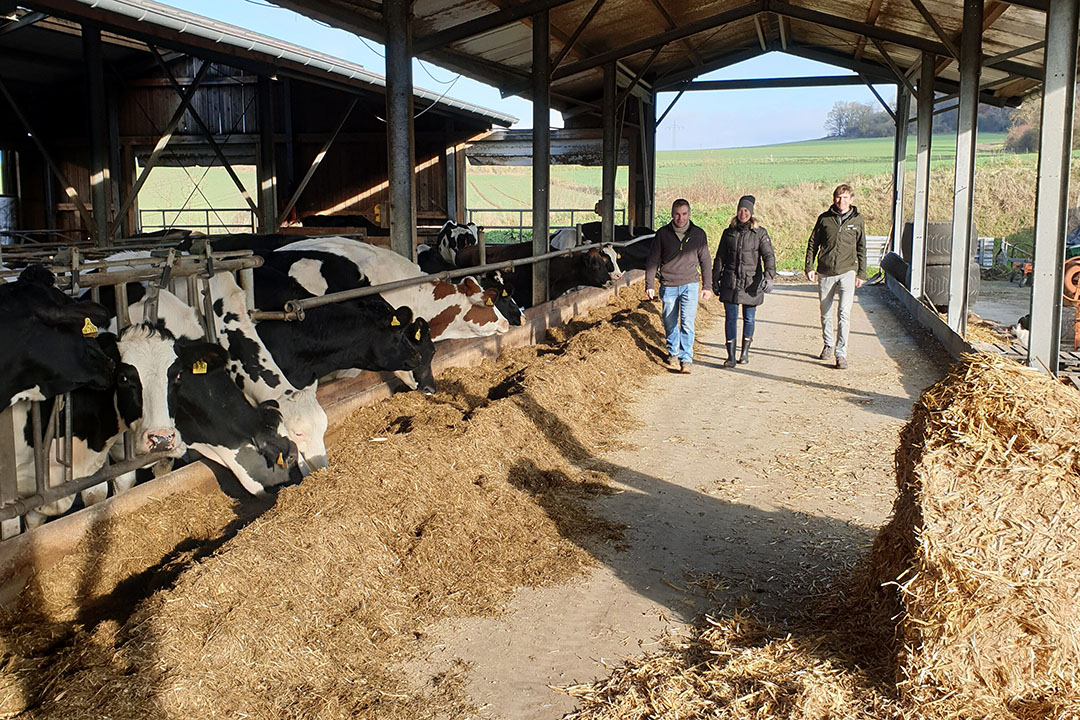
(792, 182)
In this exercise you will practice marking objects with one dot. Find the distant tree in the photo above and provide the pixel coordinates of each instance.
(1024, 125)
(852, 119)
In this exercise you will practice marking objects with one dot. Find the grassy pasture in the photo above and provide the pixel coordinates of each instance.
(793, 182)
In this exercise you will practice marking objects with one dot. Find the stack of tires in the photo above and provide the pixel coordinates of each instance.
(938, 256)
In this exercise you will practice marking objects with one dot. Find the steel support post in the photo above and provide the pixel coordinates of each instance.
(450, 166)
(963, 184)
(399, 125)
(903, 109)
(1052, 189)
(100, 181)
(922, 175)
(541, 150)
(648, 135)
(265, 168)
(609, 156)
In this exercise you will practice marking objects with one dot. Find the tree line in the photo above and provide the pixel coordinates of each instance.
(1021, 124)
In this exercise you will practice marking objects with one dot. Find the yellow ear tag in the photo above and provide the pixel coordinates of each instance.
(280, 461)
(89, 329)
(418, 335)
(489, 302)
(505, 294)
(199, 368)
(395, 322)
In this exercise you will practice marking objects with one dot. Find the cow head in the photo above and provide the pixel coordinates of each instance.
(594, 268)
(503, 293)
(611, 262)
(147, 378)
(407, 350)
(48, 345)
(306, 423)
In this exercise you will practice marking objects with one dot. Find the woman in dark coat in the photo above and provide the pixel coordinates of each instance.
(743, 272)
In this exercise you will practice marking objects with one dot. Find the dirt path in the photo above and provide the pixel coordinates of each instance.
(747, 487)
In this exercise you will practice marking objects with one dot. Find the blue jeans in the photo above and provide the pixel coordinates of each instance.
(731, 320)
(679, 311)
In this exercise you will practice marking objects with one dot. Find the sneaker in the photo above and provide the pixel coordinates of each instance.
(841, 362)
(826, 353)
(673, 363)
(685, 368)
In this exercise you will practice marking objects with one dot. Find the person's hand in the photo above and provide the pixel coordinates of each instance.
(859, 282)
(706, 294)
(811, 276)
(766, 284)
(651, 292)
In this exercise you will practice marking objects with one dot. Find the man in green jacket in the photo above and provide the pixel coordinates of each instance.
(838, 242)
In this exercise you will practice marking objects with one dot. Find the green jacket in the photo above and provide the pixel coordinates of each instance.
(839, 246)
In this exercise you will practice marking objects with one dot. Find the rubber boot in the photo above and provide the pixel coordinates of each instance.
(744, 358)
(730, 362)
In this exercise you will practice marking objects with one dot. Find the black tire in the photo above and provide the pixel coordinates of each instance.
(895, 267)
(938, 242)
(936, 284)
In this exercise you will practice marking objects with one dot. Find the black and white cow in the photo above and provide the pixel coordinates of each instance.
(363, 334)
(587, 267)
(48, 343)
(173, 396)
(253, 367)
(460, 310)
(442, 255)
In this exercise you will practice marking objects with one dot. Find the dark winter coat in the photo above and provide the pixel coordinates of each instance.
(838, 244)
(743, 260)
(678, 263)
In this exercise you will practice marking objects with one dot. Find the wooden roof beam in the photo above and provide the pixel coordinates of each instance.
(991, 13)
(871, 18)
(760, 33)
(663, 38)
(482, 24)
(695, 57)
(679, 76)
(884, 34)
(938, 30)
(570, 41)
(784, 30)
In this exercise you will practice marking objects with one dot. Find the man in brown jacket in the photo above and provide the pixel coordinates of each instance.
(680, 252)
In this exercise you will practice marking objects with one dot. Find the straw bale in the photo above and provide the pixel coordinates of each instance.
(986, 536)
(432, 507)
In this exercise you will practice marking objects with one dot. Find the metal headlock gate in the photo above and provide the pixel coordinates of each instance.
(162, 270)
(75, 272)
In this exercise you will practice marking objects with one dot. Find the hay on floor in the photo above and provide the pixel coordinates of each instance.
(967, 606)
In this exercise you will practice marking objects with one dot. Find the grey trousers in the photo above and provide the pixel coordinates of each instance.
(830, 289)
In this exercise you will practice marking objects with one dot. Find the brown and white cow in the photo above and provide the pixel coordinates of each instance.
(461, 310)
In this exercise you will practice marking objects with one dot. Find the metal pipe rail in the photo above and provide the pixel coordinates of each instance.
(294, 309)
(96, 273)
(23, 505)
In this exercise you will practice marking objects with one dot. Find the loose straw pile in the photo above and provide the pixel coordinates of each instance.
(967, 606)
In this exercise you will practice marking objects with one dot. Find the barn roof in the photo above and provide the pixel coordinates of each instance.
(669, 42)
(129, 25)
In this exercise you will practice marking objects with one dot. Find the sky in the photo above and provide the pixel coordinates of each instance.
(712, 119)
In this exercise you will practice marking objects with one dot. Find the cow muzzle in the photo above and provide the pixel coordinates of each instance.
(160, 440)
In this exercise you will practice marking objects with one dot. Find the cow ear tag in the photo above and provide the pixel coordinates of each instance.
(89, 329)
(489, 302)
(395, 322)
(199, 368)
(280, 461)
(417, 334)
(505, 294)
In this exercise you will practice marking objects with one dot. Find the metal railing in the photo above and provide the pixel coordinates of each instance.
(206, 220)
(294, 309)
(878, 245)
(53, 441)
(558, 218)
